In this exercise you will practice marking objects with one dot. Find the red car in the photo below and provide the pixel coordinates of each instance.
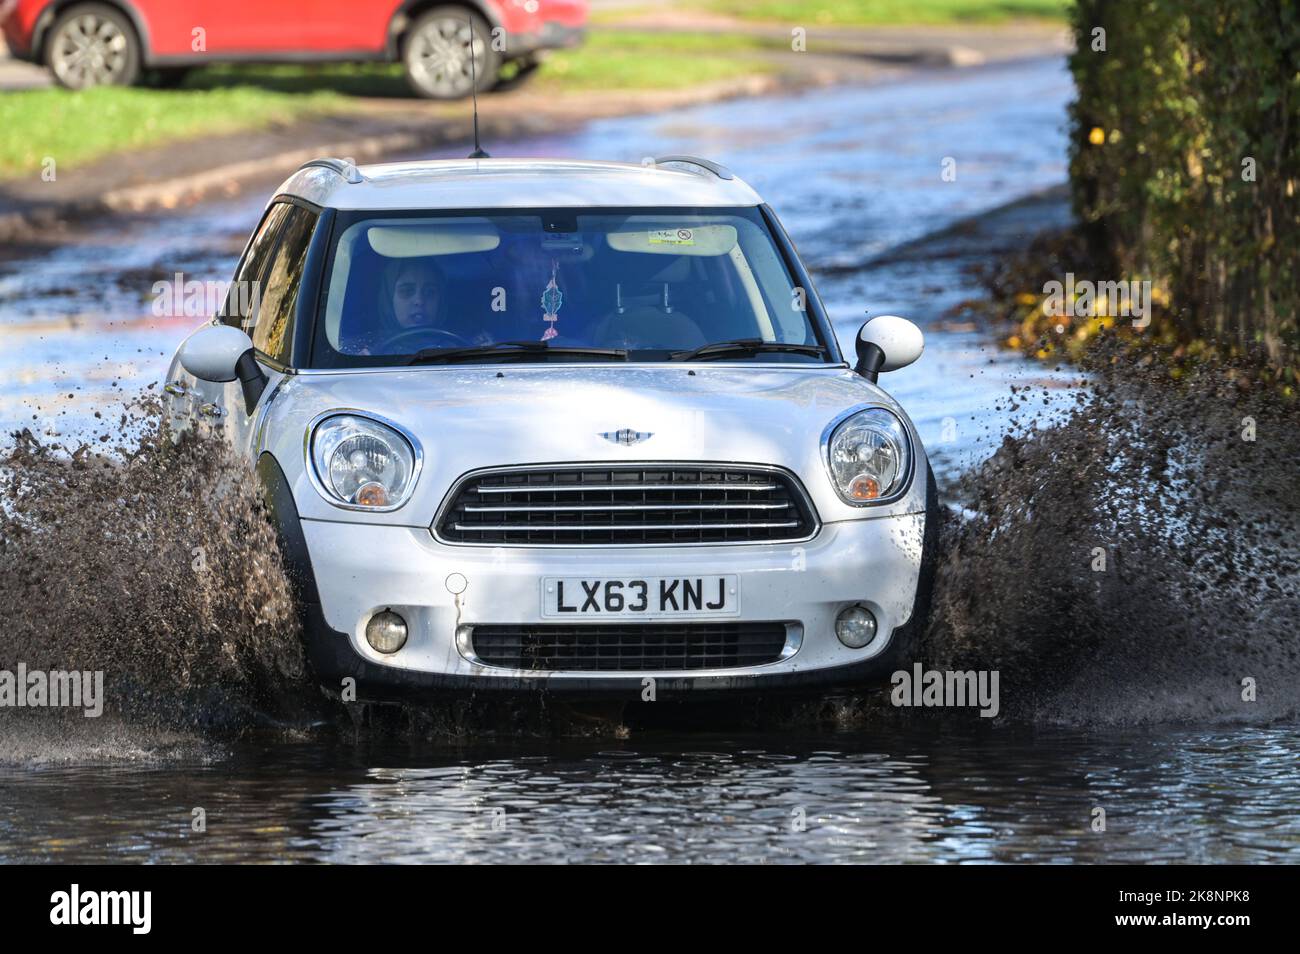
(119, 42)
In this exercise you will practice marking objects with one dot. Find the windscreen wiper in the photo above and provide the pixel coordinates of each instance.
(747, 346)
(511, 349)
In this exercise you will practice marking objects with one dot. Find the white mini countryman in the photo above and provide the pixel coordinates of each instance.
(563, 426)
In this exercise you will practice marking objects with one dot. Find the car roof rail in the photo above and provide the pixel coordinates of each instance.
(719, 170)
(344, 167)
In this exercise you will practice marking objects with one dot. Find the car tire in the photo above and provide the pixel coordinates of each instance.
(93, 44)
(434, 54)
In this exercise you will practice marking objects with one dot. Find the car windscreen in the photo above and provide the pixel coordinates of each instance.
(649, 284)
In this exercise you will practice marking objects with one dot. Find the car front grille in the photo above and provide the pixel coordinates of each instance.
(627, 504)
(631, 647)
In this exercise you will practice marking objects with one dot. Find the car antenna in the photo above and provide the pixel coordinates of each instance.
(478, 152)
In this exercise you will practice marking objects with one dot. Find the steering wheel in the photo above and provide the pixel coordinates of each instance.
(391, 344)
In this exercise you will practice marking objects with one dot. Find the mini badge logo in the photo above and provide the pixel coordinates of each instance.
(626, 436)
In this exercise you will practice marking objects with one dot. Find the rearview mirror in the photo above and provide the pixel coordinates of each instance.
(220, 353)
(887, 343)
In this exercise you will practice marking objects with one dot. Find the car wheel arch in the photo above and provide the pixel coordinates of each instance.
(399, 24)
(277, 493)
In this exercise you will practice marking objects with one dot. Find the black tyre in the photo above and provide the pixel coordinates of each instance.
(93, 45)
(436, 54)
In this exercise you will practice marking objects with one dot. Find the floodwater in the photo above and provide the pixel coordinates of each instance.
(856, 175)
(903, 795)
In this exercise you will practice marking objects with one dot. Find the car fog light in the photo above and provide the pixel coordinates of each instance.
(386, 632)
(855, 626)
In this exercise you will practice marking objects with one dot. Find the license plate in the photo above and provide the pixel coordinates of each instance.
(641, 597)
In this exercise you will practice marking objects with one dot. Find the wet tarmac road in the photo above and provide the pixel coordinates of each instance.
(876, 796)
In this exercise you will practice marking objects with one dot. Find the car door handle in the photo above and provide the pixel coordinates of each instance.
(211, 410)
(176, 389)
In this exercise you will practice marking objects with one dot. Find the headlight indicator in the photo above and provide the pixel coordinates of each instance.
(870, 456)
(362, 463)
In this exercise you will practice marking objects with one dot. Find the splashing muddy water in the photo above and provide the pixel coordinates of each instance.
(147, 558)
(1135, 561)
(1132, 560)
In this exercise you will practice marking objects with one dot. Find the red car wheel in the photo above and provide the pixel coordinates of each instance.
(436, 52)
(93, 45)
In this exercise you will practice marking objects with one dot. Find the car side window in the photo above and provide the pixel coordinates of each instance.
(245, 292)
(271, 327)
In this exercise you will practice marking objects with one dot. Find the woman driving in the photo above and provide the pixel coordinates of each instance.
(409, 310)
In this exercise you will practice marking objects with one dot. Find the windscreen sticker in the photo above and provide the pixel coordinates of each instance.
(568, 240)
(672, 237)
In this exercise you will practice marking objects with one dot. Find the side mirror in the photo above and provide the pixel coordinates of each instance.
(220, 353)
(887, 343)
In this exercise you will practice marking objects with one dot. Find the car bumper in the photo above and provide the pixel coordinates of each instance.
(360, 570)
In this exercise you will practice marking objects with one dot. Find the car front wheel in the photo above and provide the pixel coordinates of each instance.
(437, 54)
(93, 45)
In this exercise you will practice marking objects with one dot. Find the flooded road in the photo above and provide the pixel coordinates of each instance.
(902, 795)
(857, 177)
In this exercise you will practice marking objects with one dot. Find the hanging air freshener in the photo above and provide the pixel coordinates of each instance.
(552, 299)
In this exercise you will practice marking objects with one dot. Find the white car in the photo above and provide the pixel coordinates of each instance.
(565, 426)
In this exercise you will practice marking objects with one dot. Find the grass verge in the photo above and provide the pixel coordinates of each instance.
(74, 128)
(649, 60)
(891, 12)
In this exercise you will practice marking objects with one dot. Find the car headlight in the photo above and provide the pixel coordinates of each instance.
(363, 464)
(870, 456)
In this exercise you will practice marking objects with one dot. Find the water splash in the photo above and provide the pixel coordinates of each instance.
(1131, 560)
(1136, 561)
(147, 556)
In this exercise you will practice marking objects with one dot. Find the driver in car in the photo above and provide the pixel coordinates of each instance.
(410, 310)
(412, 292)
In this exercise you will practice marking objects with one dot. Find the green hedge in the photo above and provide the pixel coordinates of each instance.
(1185, 92)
